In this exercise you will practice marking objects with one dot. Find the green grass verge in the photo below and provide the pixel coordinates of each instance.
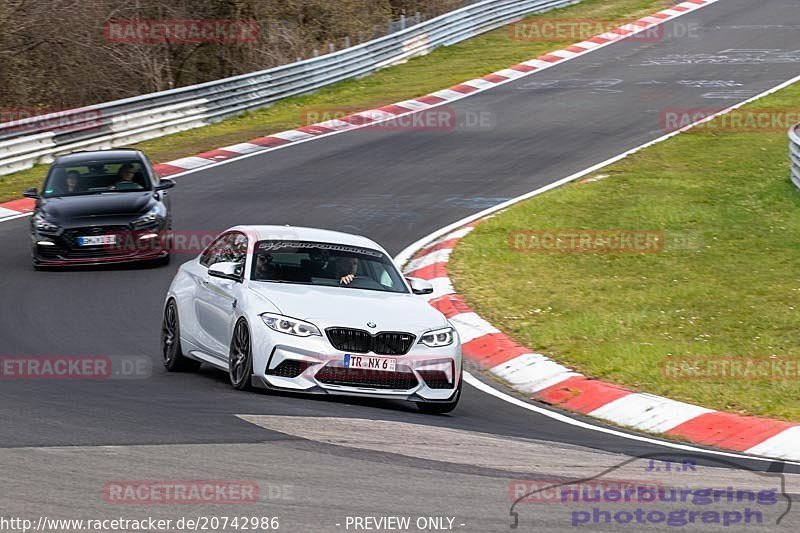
(442, 68)
(732, 290)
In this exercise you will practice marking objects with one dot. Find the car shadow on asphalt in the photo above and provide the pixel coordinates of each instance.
(221, 377)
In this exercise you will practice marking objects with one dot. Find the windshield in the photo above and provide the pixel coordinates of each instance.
(332, 265)
(92, 177)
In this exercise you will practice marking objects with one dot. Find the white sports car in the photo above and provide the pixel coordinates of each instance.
(313, 311)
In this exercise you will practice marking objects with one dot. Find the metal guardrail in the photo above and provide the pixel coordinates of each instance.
(27, 142)
(794, 153)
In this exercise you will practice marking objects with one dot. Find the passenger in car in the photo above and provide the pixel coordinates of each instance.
(72, 182)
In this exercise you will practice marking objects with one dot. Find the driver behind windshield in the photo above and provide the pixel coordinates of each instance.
(346, 269)
(125, 177)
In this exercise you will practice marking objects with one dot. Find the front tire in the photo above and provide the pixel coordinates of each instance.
(440, 408)
(240, 360)
(171, 351)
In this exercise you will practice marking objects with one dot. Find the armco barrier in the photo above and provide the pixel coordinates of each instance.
(794, 153)
(27, 142)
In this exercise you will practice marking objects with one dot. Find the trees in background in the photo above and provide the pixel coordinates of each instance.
(58, 54)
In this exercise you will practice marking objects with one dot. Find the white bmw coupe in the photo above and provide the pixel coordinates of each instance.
(312, 311)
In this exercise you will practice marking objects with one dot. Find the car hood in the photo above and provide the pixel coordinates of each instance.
(352, 308)
(107, 205)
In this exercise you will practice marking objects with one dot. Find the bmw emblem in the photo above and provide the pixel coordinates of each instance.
(372, 325)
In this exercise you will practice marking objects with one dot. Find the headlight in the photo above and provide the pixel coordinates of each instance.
(148, 218)
(41, 224)
(438, 337)
(291, 326)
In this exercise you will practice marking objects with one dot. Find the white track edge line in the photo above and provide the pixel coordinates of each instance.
(483, 387)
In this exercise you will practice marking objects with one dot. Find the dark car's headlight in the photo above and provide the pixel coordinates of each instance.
(289, 325)
(148, 218)
(42, 224)
(438, 337)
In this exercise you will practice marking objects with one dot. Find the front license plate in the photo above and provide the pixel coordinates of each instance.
(97, 240)
(370, 363)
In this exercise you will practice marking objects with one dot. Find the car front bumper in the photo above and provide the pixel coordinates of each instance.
(311, 365)
(61, 250)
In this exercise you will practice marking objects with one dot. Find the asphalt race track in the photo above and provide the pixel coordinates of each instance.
(63, 440)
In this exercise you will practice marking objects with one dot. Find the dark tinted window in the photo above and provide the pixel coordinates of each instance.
(327, 264)
(93, 177)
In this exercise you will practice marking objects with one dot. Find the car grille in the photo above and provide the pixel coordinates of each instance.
(289, 369)
(67, 244)
(374, 379)
(360, 341)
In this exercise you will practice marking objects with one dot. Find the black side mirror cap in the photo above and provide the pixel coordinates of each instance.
(31, 193)
(165, 184)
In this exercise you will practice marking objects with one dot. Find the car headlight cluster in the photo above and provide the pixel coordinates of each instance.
(438, 337)
(41, 224)
(290, 326)
(148, 218)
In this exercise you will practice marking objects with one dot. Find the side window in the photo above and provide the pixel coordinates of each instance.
(238, 248)
(152, 172)
(214, 252)
(231, 247)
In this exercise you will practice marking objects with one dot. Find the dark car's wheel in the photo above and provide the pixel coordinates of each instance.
(240, 362)
(171, 351)
(441, 408)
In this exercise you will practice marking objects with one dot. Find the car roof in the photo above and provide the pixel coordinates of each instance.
(296, 233)
(98, 155)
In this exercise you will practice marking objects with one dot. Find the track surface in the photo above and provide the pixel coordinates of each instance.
(395, 187)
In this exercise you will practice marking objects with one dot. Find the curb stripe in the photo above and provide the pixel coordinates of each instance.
(439, 256)
(784, 444)
(436, 270)
(492, 350)
(219, 154)
(581, 394)
(532, 372)
(648, 412)
(732, 431)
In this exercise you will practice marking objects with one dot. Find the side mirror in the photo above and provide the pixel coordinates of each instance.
(420, 286)
(31, 193)
(165, 184)
(226, 270)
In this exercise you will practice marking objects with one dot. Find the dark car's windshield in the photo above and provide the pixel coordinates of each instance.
(333, 265)
(93, 177)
